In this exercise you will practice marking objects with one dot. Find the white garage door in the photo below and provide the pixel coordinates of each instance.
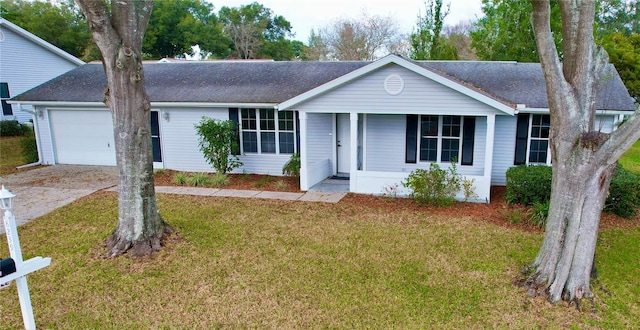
(83, 137)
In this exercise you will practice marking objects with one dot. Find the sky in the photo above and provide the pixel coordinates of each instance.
(307, 14)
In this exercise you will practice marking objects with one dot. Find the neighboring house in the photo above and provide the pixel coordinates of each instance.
(27, 61)
(374, 122)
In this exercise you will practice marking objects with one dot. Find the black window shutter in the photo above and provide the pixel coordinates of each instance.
(522, 136)
(411, 139)
(297, 116)
(233, 116)
(468, 139)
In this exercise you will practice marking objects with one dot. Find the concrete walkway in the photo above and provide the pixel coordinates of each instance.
(42, 190)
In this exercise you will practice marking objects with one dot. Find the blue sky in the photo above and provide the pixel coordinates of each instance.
(307, 14)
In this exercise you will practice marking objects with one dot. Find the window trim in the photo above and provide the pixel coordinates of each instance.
(527, 160)
(258, 131)
(439, 138)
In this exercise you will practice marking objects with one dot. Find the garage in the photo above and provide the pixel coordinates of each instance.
(83, 137)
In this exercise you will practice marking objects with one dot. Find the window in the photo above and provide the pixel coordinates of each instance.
(4, 96)
(262, 132)
(532, 139)
(440, 138)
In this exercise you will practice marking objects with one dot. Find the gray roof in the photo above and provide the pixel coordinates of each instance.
(275, 82)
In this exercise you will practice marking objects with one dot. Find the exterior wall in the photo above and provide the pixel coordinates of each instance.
(505, 144)
(504, 148)
(180, 150)
(320, 140)
(25, 65)
(386, 139)
(420, 96)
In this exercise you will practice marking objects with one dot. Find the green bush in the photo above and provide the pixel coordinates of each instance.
(624, 193)
(199, 180)
(539, 214)
(13, 128)
(217, 142)
(528, 185)
(29, 149)
(220, 180)
(292, 167)
(435, 186)
(180, 178)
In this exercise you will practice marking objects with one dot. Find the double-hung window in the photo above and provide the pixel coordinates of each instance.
(4, 96)
(532, 139)
(267, 131)
(440, 138)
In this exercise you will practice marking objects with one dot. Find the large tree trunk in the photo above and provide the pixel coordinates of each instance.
(583, 159)
(119, 37)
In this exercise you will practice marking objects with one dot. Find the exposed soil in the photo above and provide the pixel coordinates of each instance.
(496, 212)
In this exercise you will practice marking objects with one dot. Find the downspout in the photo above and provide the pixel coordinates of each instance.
(37, 136)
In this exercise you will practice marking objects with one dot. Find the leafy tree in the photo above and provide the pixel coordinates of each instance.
(217, 141)
(178, 25)
(255, 32)
(118, 28)
(426, 41)
(624, 53)
(61, 25)
(363, 39)
(458, 36)
(584, 159)
(618, 16)
(505, 32)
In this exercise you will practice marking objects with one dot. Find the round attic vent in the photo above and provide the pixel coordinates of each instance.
(394, 84)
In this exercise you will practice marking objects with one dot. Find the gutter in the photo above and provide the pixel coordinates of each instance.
(37, 135)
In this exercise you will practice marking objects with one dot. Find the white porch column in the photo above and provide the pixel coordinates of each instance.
(488, 160)
(304, 177)
(353, 177)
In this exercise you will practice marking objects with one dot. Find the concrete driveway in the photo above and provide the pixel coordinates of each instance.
(42, 190)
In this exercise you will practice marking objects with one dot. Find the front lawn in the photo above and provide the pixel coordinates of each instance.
(631, 159)
(10, 154)
(249, 263)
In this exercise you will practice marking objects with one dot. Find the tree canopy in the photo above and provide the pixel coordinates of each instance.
(60, 25)
(256, 32)
(349, 39)
(426, 41)
(178, 25)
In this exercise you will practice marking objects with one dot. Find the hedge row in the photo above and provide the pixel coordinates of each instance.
(529, 185)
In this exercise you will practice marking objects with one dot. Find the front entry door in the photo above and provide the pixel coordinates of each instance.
(343, 140)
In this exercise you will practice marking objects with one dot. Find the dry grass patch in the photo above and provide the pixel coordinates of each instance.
(251, 263)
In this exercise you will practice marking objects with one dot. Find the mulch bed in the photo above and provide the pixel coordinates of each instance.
(497, 212)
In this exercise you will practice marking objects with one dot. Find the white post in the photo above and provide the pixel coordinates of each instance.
(353, 177)
(22, 268)
(488, 153)
(304, 171)
(21, 282)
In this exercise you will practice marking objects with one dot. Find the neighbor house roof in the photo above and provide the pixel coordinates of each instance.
(266, 82)
(5, 24)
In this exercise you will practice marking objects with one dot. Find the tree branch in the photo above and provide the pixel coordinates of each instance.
(99, 22)
(621, 139)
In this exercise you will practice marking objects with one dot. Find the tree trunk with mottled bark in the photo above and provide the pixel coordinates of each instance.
(583, 158)
(118, 31)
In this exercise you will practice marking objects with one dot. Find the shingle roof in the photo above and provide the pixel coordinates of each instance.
(275, 82)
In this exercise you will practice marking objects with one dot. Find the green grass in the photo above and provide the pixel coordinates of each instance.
(250, 263)
(10, 156)
(631, 159)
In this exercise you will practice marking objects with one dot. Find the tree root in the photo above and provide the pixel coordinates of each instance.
(117, 246)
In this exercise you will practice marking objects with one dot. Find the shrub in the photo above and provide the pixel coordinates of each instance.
(528, 185)
(13, 128)
(539, 214)
(281, 185)
(434, 186)
(180, 178)
(160, 171)
(217, 141)
(220, 180)
(263, 181)
(292, 167)
(29, 149)
(199, 180)
(624, 193)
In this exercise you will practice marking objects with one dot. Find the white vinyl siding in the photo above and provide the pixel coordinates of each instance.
(26, 64)
(419, 96)
(319, 138)
(385, 146)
